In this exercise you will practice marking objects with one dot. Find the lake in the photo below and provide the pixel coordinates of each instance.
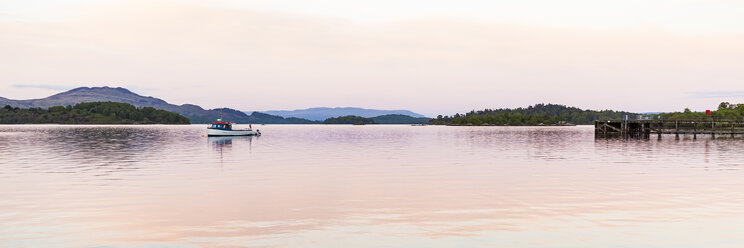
(366, 186)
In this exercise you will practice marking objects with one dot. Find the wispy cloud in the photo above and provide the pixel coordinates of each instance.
(42, 86)
(716, 94)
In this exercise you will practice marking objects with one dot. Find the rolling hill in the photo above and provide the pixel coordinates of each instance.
(320, 114)
(110, 94)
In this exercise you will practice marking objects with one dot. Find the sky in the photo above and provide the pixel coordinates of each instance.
(431, 57)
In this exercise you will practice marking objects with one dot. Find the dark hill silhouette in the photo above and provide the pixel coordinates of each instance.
(110, 94)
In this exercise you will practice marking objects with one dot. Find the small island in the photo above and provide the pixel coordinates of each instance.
(382, 119)
(90, 113)
(349, 119)
(536, 115)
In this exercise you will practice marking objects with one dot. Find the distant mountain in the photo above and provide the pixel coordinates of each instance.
(263, 118)
(109, 94)
(85, 94)
(320, 114)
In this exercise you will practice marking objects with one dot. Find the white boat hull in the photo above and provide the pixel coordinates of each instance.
(243, 132)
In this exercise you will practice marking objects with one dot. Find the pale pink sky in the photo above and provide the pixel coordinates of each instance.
(432, 57)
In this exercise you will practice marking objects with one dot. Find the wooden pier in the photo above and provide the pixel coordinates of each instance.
(647, 128)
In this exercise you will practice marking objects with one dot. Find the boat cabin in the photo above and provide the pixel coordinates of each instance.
(221, 125)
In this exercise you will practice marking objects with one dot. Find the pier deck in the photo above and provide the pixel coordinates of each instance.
(646, 128)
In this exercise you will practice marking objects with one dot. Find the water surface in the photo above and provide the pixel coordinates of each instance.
(365, 186)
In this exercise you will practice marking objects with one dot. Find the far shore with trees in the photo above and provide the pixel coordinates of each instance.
(725, 111)
(536, 115)
(90, 113)
(561, 115)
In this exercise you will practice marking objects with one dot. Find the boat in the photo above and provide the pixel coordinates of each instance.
(223, 128)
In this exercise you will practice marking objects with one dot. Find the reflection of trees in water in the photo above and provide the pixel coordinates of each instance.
(544, 143)
(116, 141)
(98, 150)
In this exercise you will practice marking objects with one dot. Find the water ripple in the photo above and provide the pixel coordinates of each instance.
(364, 186)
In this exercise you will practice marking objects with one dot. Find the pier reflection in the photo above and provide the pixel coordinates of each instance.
(101, 151)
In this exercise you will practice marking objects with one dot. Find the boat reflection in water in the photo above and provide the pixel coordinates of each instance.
(225, 143)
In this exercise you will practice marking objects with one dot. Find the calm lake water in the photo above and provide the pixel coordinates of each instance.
(366, 186)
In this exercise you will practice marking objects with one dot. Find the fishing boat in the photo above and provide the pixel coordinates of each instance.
(223, 128)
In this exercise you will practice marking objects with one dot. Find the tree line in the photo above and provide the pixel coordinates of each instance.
(725, 111)
(90, 113)
(349, 119)
(538, 114)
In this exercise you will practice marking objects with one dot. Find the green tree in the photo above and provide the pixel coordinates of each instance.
(723, 105)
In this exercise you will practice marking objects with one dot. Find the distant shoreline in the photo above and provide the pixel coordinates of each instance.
(90, 113)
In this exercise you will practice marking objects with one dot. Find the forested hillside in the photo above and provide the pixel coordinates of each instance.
(539, 114)
(90, 113)
(349, 119)
(400, 119)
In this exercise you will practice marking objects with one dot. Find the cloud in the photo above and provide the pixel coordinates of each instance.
(42, 86)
